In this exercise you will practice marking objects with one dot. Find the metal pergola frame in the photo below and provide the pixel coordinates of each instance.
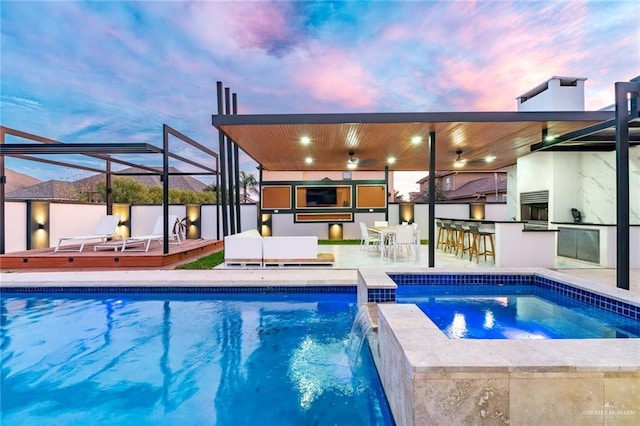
(102, 151)
(626, 115)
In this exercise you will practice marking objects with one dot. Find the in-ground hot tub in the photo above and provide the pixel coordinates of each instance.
(430, 378)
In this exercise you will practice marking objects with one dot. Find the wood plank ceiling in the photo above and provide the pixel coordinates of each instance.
(276, 145)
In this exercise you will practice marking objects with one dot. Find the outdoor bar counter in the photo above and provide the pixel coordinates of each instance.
(516, 246)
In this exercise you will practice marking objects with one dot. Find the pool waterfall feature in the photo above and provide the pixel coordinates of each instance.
(362, 326)
(431, 379)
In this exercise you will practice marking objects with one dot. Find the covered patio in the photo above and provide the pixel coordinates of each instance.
(484, 140)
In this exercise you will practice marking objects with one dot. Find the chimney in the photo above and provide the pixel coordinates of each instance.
(555, 94)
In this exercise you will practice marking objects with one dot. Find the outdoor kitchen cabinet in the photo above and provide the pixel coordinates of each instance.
(579, 243)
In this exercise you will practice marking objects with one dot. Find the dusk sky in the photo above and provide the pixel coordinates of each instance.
(111, 71)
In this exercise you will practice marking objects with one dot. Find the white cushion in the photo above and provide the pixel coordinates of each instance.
(293, 247)
(246, 245)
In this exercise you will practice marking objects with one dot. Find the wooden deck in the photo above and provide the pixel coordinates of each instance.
(47, 259)
(323, 259)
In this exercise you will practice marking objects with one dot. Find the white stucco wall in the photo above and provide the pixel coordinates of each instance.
(143, 218)
(497, 212)
(15, 226)
(209, 222)
(68, 220)
(453, 211)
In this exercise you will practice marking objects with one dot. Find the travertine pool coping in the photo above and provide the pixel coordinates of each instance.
(431, 379)
(178, 278)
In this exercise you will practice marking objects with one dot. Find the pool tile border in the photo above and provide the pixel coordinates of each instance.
(421, 278)
(184, 289)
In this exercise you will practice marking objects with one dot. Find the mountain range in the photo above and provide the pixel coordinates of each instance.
(21, 186)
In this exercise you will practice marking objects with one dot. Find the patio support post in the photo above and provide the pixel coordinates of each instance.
(386, 182)
(165, 188)
(432, 198)
(236, 164)
(109, 188)
(217, 198)
(259, 224)
(222, 202)
(3, 182)
(622, 116)
(232, 218)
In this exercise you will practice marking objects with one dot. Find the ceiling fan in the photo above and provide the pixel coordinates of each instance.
(461, 161)
(353, 161)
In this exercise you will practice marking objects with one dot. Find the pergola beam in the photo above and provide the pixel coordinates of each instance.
(623, 116)
(99, 151)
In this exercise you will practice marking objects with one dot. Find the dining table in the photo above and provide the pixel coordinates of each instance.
(387, 233)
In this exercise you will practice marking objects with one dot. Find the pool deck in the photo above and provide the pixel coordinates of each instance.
(344, 272)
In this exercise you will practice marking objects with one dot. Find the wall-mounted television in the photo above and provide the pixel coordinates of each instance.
(322, 196)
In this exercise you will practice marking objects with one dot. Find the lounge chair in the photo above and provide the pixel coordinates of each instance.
(105, 229)
(143, 242)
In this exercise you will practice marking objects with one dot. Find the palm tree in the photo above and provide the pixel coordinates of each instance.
(249, 185)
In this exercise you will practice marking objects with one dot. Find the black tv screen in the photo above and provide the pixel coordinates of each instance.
(322, 196)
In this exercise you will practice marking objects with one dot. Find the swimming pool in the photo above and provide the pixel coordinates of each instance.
(184, 359)
(514, 312)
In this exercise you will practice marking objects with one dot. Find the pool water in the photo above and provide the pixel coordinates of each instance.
(238, 359)
(514, 312)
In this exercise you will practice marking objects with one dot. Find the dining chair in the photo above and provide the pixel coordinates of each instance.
(404, 238)
(367, 238)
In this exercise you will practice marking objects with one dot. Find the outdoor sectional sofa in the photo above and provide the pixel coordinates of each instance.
(250, 248)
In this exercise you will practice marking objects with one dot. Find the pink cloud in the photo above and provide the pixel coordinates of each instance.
(336, 76)
(503, 58)
(396, 33)
(262, 25)
(228, 28)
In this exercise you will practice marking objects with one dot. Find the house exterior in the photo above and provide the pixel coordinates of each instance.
(464, 186)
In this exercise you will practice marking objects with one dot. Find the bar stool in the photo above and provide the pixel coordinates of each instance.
(463, 235)
(441, 239)
(450, 236)
(486, 232)
(475, 242)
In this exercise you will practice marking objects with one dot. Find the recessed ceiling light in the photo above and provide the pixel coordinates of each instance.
(305, 140)
(391, 160)
(416, 140)
(489, 158)
(308, 160)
